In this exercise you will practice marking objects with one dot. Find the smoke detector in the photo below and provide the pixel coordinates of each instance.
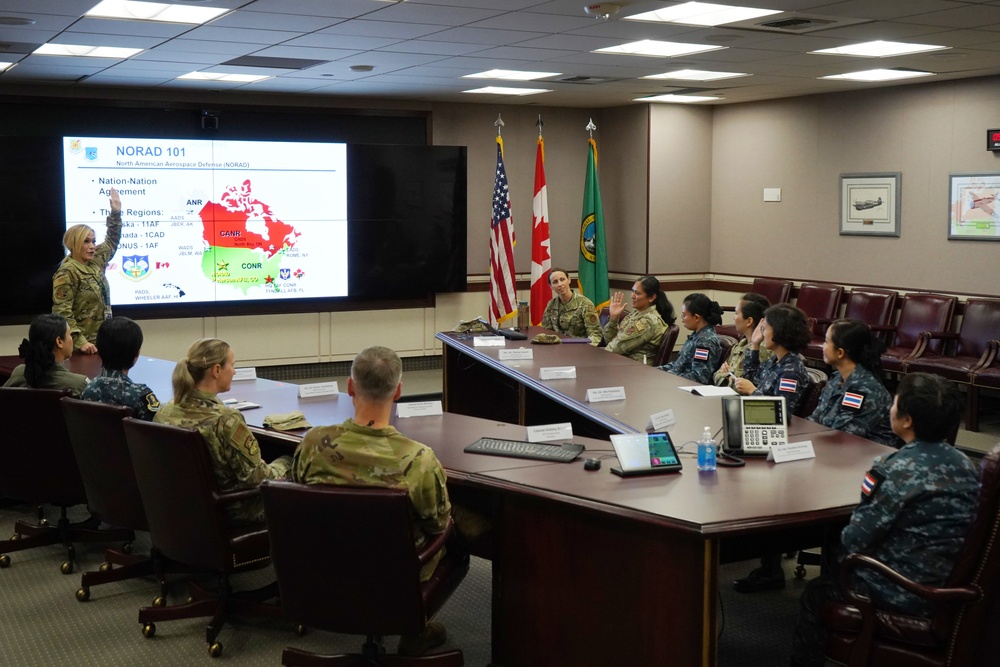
(602, 11)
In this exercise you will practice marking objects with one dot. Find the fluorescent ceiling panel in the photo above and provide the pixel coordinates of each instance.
(510, 75)
(695, 75)
(153, 11)
(500, 90)
(684, 99)
(221, 76)
(879, 75)
(87, 51)
(880, 49)
(658, 49)
(702, 13)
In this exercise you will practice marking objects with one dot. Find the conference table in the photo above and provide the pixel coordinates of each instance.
(590, 568)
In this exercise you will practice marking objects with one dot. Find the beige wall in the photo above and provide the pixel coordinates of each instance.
(802, 145)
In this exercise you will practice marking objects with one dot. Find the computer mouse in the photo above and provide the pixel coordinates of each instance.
(592, 464)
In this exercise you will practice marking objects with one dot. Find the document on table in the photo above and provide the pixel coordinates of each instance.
(708, 390)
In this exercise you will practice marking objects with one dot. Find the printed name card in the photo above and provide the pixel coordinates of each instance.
(488, 341)
(418, 409)
(549, 432)
(245, 374)
(605, 394)
(517, 354)
(557, 373)
(793, 451)
(661, 420)
(318, 389)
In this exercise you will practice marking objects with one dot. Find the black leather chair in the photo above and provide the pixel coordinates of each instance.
(920, 312)
(821, 303)
(346, 562)
(37, 466)
(963, 628)
(666, 345)
(873, 306)
(966, 352)
(188, 524)
(776, 290)
(727, 343)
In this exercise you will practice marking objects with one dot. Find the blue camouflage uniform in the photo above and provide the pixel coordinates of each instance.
(916, 508)
(787, 377)
(117, 388)
(858, 405)
(700, 355)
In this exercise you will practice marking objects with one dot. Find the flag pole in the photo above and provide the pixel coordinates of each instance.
(541, 251)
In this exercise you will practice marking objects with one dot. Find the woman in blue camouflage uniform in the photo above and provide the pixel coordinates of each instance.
(702, 351)
(854, 400)
(119, 339)
(49, 343)
(784, 330)
(638, 334)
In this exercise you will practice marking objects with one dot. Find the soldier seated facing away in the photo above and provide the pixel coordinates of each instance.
(119, 339)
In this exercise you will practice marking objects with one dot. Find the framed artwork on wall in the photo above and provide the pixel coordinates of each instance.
(973, 206)
(869, 204)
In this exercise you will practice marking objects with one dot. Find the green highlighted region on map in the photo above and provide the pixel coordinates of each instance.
(241, 268)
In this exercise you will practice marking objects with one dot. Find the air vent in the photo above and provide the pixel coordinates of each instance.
(796, 24)
(587, 80)
(273, 63)
(17, 47)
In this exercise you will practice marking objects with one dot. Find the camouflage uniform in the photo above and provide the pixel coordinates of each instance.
(80, 292)
(352, 454)
(637, 336)
(236, 461)
(57, 378)
(577, 318)
(787, 377)
(869, 419)
(700, 355)
(116, 388)
(735, 361)
(916, 507)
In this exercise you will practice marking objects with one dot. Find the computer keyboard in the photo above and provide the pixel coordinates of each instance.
(563, 453)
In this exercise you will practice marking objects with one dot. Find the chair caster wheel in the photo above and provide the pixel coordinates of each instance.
(15, 536)
(105, 567)
(66, 567)
(800, 571)
(149, 630)
(83, 594)
(127, 548)
(301, 630)
(159, 601)
(4, 560)
(215, 650)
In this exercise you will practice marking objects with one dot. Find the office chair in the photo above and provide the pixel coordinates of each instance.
(922, 312)
(188, 524)
(666, 345)
(37, 466)
(346, 562)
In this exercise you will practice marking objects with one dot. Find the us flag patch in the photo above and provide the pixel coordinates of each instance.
(788, 384)
(852, 400)
(701, 354)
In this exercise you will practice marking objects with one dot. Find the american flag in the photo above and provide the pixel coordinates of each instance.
(503, 294)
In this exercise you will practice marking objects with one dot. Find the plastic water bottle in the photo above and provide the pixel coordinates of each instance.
(706, 451)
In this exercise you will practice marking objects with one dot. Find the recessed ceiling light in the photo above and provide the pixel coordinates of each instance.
(879, 75)
(361, 68)
(702, 13)
(654, 48)
(501, 90)
(4, 65)
(880, 49)
(16, 20)
(696, 75)
(222, 76)
(510, 75)
(683, 99)
(153, 11)
(85, 51)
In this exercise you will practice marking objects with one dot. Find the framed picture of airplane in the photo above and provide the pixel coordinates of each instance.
(974, 207)
(869, 204)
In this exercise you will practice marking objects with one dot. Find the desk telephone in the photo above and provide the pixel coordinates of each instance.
(753, 424)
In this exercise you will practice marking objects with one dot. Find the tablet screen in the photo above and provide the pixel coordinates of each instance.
(661, 450)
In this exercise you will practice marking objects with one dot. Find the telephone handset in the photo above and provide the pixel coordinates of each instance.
(753, 424)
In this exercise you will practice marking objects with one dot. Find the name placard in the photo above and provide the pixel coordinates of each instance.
(418, 409)
(488, 341)
(549, 432)
(557, 373)
(661, 420)
(318, 389)
(243, 374)
(517, 354)
(605, 394)
(793, 451)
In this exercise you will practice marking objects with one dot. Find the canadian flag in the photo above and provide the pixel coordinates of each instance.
(541, 257)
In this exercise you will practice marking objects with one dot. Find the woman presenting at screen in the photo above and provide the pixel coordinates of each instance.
(80, 290)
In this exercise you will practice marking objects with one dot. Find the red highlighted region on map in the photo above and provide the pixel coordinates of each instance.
(241, 221)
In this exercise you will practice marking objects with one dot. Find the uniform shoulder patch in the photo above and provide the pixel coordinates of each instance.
(869, 485)
(790, 385)
(152, 402)
(701, 354)
(245, 442)
(852, 400)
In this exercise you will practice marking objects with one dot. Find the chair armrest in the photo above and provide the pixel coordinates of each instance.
(852, 562)
(230, 497)
(988, 356)
(882, 327)
(729, 309)
(826, 320)
(924, 339)
(435, 543)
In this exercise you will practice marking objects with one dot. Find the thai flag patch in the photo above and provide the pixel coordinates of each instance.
(868, 484)
(788, 384)
(701, 354)
(852, 400)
